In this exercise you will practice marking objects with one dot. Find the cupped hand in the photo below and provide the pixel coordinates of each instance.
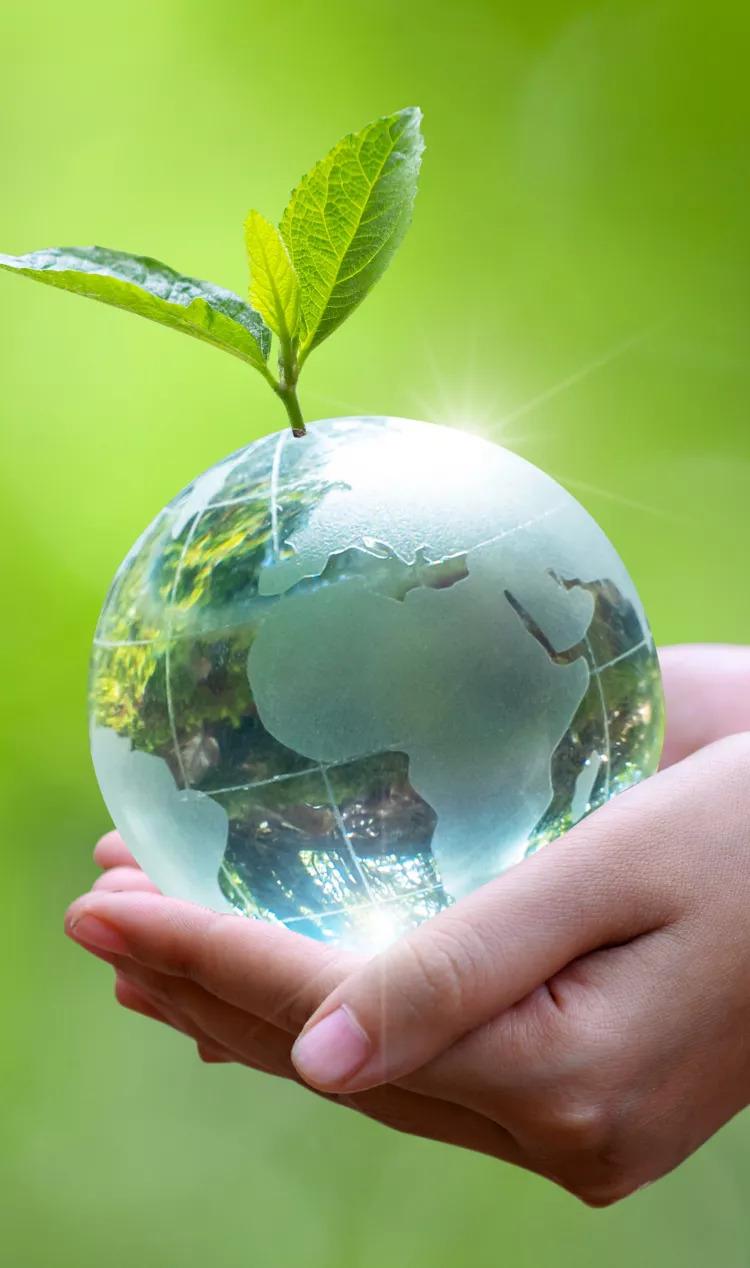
(586, 1015)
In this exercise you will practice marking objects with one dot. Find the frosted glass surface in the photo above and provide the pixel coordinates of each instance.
(343, 680)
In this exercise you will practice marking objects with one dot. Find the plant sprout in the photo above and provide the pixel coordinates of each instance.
(340, 230)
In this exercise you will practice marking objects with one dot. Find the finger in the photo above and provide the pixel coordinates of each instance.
(261, 968)
(251, 1040)
(211, 1055)
(138, 997)
(187, 1008)
(213, 1025)
(262, 1047)
(111, 851)
(137, 1000)
(570, 1030)
(433, 1119)
(222, 1035)
(596, 1096)
(707, 693)
(122, 879)
(231, 1035)
(606, 882)
(129, 996)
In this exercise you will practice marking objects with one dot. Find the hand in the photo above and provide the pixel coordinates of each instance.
(598, 1065)
(707, 689)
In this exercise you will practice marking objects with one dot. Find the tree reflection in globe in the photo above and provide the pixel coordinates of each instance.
(342, 680)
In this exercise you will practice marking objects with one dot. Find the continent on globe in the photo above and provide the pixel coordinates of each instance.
(341, 681)
(345, 670)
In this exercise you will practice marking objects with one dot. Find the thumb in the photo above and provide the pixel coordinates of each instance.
(605, 882)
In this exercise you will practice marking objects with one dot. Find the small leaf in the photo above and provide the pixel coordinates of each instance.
(347, 217)
(274, 289)
(144, 286)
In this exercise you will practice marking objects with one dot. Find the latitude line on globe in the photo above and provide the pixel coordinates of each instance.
(263, 783)
(594, 669)
(599, 669)
(381, 902)
(125, 642)
(218, 506)
(175, 638)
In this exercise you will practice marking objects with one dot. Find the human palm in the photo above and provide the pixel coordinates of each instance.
(583, 1016)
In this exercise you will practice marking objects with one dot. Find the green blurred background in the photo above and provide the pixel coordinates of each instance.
(576, 283)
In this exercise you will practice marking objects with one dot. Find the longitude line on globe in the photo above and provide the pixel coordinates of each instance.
(347, 839)
(597, 672)
(275, 468)
(167, 659)
(274, 511)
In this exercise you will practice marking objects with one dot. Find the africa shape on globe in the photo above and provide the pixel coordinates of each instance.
(343, 680)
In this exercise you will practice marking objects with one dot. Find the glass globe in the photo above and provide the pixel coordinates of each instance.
(341, 681)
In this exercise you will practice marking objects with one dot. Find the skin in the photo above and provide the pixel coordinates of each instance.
(586, 1016)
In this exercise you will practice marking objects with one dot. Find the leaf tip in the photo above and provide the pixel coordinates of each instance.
(413, 117)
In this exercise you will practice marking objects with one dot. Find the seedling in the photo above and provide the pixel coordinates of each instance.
(338, 234)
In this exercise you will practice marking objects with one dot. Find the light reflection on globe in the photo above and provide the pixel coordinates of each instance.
(341, 681)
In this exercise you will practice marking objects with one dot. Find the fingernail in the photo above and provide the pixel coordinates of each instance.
(332, 1051)
(97, 933)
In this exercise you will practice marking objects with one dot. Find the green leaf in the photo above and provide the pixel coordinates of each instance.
(151, 289)
(274, 289)
(347, 217)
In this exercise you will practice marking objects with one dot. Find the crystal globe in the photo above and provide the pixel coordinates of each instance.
(342, 680)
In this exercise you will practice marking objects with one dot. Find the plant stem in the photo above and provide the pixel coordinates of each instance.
(286, 388)
(288, 395)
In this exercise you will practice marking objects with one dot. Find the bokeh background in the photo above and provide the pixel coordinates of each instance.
(575, 284)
